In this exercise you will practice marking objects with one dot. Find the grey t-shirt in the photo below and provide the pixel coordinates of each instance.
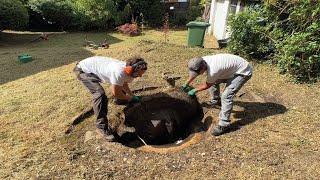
(225, 66)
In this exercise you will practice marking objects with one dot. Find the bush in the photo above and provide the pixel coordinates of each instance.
(152, 10)
(247, 35)
(57, 12)
(154, 14)
(129, 29)
(194, 12)
(299, 49)
(125, 15)
(291, 30)
(94, 14)
(299, 56)
(37, 23)
(180, 19)
(13, 15)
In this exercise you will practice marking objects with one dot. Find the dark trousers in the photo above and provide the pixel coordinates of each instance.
(100, 100)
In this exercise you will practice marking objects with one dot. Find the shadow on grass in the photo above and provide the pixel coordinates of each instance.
(60, 49)
(254, 111)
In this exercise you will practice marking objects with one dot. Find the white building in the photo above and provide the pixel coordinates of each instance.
(219, 13)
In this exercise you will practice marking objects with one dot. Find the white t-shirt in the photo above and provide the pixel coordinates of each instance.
(225, 66)
(109, 70)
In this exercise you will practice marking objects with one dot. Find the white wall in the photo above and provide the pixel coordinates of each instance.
(219, 13)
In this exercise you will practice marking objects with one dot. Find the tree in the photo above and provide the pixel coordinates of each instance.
(95, 14)
(13, 15)
(58, 12)
(152, 10)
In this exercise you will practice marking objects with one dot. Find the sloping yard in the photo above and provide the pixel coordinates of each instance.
(279, 120)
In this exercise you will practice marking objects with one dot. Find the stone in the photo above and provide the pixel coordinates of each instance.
(88, 136)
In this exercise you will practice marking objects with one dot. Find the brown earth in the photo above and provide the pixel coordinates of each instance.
(277, 138)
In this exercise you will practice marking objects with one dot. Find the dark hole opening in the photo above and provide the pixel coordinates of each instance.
(161, 119)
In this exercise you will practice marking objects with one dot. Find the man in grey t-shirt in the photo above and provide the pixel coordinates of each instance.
(221, 68)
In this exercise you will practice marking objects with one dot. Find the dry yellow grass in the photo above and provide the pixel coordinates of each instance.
(279, 138)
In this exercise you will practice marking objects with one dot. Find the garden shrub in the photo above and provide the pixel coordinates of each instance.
(125, 15)
(299, 55)
(94, 14)
(193, 13)
(195, 10)
(152, 10)
(180, 19)
(298, 50)
(291, 32)
(13, 15)
(57, 12)
(154, 15)
(129, 29)
(248, 36)
(37, 23)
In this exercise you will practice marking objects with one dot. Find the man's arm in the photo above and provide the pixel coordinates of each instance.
(127, 89)
(190, 80)
(203, 86)
(117, 91)
(199, 88)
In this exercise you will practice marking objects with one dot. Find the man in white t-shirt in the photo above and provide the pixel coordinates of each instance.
(95, 70)
(221, 68)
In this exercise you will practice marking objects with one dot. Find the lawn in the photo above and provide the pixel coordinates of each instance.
(278, 138)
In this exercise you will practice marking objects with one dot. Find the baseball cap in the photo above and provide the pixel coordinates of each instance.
(194, 66)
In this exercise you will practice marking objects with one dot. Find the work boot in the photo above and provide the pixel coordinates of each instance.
(219, 130)
(106, 134)
(213, 103)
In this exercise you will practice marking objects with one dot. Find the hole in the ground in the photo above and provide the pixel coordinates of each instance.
(162, 118)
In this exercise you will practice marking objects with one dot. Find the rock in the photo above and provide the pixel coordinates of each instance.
(88, 136)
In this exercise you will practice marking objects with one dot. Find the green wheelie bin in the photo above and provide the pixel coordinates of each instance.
(196, 31)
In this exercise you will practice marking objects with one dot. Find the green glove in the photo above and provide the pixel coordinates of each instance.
(135, 99)
(186, 88)
(192, 92)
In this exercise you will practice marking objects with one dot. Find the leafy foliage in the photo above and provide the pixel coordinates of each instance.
(180, 19)
(58, 12)
(248, 36)
(291, 31)
(13, 15)
(94, 14)
(98, 14)
(125, 15)
(152, 10)
(194, 12)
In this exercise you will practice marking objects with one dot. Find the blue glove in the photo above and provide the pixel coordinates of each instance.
(192, 92)
(135, 99)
